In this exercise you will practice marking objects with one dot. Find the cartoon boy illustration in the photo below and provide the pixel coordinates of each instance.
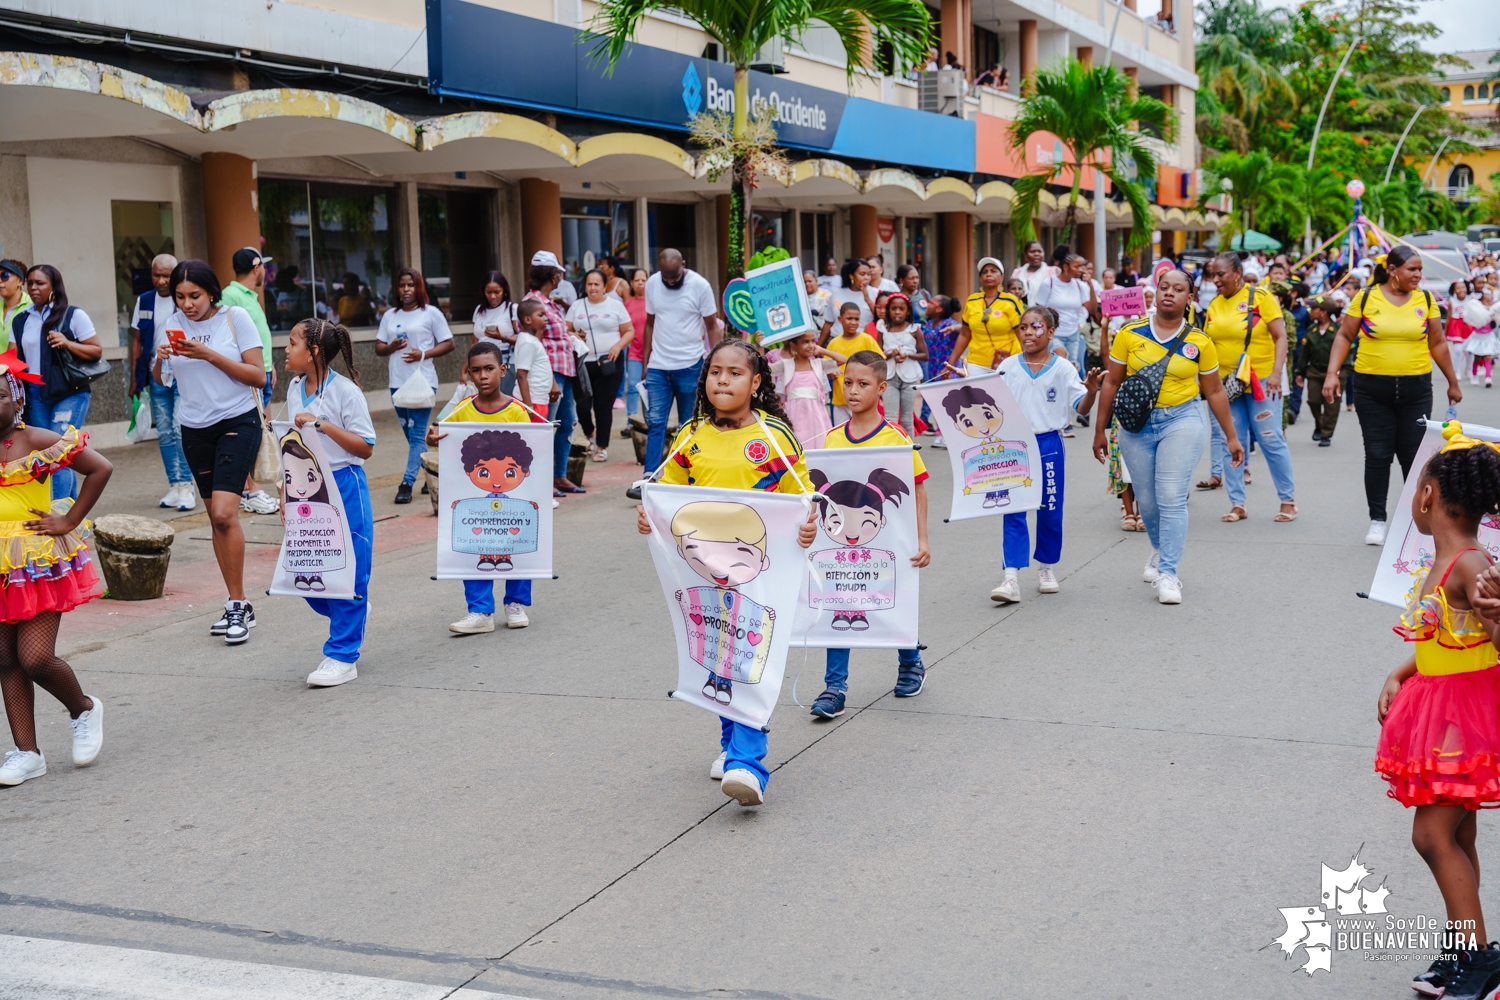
(496, 462)
(852, 514)
(728, 634)
(303, 483)
(977, 415)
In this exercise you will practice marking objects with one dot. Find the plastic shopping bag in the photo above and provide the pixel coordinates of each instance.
(415, 393)
(140, 428)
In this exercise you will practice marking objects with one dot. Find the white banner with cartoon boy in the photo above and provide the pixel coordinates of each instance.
(996, 469)
(1407, 551)
(862, 592)
(495, 501)
(317, 552)
(732, 572)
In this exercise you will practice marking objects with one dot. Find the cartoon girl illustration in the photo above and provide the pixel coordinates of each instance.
(976, 414)
(858, 578)
(496, 462)
(729, 635)
(303, 483)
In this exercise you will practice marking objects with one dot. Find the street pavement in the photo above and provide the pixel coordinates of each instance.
(1095, 796)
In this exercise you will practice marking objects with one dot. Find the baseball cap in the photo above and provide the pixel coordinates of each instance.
(246, 258)
(989, 260)
(545, 258)
(9, 266)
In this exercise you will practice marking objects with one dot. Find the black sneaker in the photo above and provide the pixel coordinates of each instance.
(237, 624)
(633, 493)
(222, 625)
(1474, 975)
(1083, 420)
(403, 493)
(910, 678)
(424, 489)
(829, 705)
(1432, 982)
(1325, 442)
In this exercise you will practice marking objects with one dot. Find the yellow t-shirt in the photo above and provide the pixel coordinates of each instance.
(992, 329)
(887, 435)
(1226, 320)
(511, 413)
(847, 346)
(1392, 338)
(741, 459)
(1135, 347)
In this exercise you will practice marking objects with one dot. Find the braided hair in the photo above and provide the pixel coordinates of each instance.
(764, 398)
(325, 341)
(1468, 481)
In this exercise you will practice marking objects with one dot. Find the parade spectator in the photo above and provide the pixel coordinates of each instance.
(411, 335)
(545, 277)
(635, 367)
(13, 297)
(495, 319)
(680, 316)
(855, 287)
(1033, 270)
(602, 323)
(244, 291)
(148, 327)
(990, 317)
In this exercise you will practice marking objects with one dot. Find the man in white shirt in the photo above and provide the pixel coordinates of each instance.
(680, 317)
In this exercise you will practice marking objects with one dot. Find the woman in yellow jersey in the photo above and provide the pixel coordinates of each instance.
(989, 321)
(1400, 336)
(1162, 455)
(1245, 321)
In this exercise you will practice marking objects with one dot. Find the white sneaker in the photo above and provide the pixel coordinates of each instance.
(187, 496)
(1046, 583)
(259, 502)
(1009, 591)
(88, 733)
(173, 497)
(716, 769)
(601, 455)
(1473, 379)
(1488, 381)
(744, 787)
(937, 442)
(22, 765)
(515, 616)
(1149, 574)
(331, 673)
(473, 623)
(1376, 534)
(1168, 590)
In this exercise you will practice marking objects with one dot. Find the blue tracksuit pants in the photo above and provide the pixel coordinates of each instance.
(346, 619)
(1049, 516)
(479, 595)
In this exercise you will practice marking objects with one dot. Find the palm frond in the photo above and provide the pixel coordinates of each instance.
(1023, 206)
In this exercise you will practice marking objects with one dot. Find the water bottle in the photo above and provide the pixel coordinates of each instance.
(1452, 414)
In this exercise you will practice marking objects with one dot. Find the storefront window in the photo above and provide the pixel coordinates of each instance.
(919, 248)
(594, 229)
(458, 247)
(673, 225)
(770, 229)
(349, 256)
(142, 229)
(817, 241)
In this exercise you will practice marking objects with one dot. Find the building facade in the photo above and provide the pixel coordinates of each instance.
(1471, 91)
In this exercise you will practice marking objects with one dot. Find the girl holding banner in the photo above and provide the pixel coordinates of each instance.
(330, 408)
(738, 440)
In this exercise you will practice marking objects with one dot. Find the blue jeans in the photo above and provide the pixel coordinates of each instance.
(744, 749)
(346, 619)
(414, 426)
(1218, 447)
(634, 372)
(168, 434)
(662, 387)
(565, 412)
(1261, 417)
(56, 415)
(1049, 516)
(267, 392)
(1075, 346)
(836, 673)
(479, 595)
(1161, 457)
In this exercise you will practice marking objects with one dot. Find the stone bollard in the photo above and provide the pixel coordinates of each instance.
(638, 438)
(430, 473)
(578, 462)
(133, 554)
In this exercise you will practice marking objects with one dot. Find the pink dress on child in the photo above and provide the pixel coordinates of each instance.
(807, 407)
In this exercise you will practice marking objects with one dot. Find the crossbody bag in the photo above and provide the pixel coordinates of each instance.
(1136, 397)
(1235, 383)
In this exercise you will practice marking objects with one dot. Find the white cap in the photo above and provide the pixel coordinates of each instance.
(990, 260)
(545, 258)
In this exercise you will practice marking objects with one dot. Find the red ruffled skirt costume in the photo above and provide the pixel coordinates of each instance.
(40, 573)
(1440, 743)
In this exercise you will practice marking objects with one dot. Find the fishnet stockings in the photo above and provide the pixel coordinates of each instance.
(28, 655)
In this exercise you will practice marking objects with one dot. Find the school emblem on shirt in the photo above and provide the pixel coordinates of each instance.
(1051, 394)
(757, 451)
(1190, 351)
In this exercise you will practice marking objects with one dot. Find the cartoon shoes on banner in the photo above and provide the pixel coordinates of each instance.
(863, 588)
(317, 552)
(495, 501)
(1407, 555)
(990, 445)
(733, 575)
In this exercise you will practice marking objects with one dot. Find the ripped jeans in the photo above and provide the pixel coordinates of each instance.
(56, 415)
(1262, 418)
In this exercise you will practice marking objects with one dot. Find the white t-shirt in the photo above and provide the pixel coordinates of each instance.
(531, 357)
(888, 286)
(341, 402)
(680, 314)
(161, 317)
(904, 340)
(842, 295)
(1031, 279)
(599, 325)
(828, 282)
(1067, 297)
(1048, 397)
(82, 328)
(423, 329)
(205, 394)
(503, 319)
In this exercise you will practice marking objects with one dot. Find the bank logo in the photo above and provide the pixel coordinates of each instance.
(692, 90)
(1308, 927)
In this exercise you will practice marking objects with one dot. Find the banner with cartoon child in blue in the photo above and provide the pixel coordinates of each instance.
(991, 446)
(495, 501)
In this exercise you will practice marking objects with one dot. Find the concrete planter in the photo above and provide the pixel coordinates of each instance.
(430, 473)
(133, 554)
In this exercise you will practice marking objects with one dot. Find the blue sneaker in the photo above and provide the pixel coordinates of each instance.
(830, 705)
(909, 679)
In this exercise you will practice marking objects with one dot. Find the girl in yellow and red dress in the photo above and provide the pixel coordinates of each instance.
(1440, 710)
(46, 568)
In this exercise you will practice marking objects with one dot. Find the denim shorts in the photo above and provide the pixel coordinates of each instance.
(221, 456)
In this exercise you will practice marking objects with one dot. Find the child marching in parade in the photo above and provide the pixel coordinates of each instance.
(865, 384)
(735, 407)
(334, 406)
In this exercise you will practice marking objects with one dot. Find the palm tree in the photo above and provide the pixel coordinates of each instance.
(1090, 110)
(1241, 49)
(901, 28)
(1259, 186)
(1318, 195)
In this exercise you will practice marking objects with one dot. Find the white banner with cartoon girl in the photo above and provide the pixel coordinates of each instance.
(733, 574)
(991, 446)
(862, 592)
(317, 552)
(495, 501)
(1407, 551)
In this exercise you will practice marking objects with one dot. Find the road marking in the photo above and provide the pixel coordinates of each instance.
(45, 969)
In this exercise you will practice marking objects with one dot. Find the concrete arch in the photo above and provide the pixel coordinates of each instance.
(480, 125)
(58, 97)
(633, 144)
(890, 177)
(290, 121)
(939, 186)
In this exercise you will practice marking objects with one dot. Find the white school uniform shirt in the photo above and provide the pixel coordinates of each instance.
(599, 325)
(82, 328)
(1048, 397)
(423, 329)
(205, 394)
(340, 402)
(502, 319)
(531, 357)
(905, 341)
